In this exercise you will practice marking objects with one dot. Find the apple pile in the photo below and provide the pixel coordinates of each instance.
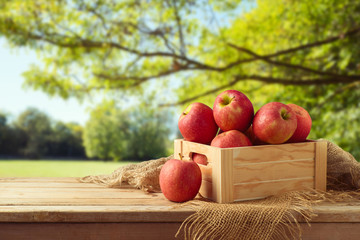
(231, 123)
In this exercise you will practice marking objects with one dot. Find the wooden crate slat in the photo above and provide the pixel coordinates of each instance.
(320, 165)
(270, 171)
(273, 153)
(178, 148)
(216, 174)
(190, 147)
(264, 189)
(226, 185)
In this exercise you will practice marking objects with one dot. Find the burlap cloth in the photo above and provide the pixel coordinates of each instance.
(268, 218)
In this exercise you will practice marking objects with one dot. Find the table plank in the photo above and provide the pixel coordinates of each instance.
(93, 214)
(80, 201)
(89, 231)
(91, 193)
(40, 179)
(148, 231)
(58, 208)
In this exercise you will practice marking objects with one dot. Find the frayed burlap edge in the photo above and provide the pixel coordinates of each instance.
(269, 218)
(144, 175)
(272, 218)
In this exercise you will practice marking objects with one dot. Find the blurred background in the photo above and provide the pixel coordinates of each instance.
(88, 86)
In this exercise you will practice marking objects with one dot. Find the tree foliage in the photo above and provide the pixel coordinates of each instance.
(66, 140)
(304, 52)
(35, 135)
(12, 139)
(116, 133)
(37, 127)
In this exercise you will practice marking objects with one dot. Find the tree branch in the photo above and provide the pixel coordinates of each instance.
(349, 33)
(338, 91)
(197, 65)
(138, 80)
(214, 90)
(80, 42)
(289, 65)
(180, 30)
(160, 33)
(298, 82)
(268, 80)
(266, 58)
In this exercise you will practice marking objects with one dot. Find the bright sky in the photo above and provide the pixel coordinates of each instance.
(14, 99)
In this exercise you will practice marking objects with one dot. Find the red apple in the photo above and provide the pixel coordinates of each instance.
(180, 180)
(230, 139)
(250, 134)
(303, 124)
(199, 158)
(233, 111)
(274, 123)
(197, 124)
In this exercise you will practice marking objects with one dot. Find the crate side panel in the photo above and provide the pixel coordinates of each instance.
(191, 147)
(272, 153)
(216, 174)
(263, 189)
(227, 172)
(273, 171)
(321, 165)
(178, 148)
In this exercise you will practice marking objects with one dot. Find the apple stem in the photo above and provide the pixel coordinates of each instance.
(181, 158)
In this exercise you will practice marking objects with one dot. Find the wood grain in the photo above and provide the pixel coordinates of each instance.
(25, 201)
(128, 210)
(149, 231)
(68, 191)
(273, 153)
(320, 165)
(269, 171)
(267, 188)
(331, 231)
(50, 180)
(337, 212)
(88, 231)
(191, 147)
(216, 175)
(127, 213)
(178, 149)
(135, 216)
(226, 177)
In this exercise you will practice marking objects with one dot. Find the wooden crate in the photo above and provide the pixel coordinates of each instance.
(244, 173)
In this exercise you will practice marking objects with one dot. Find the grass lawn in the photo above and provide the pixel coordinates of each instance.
(55, 168)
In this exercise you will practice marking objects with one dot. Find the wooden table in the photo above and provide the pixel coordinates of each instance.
(62, 208)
